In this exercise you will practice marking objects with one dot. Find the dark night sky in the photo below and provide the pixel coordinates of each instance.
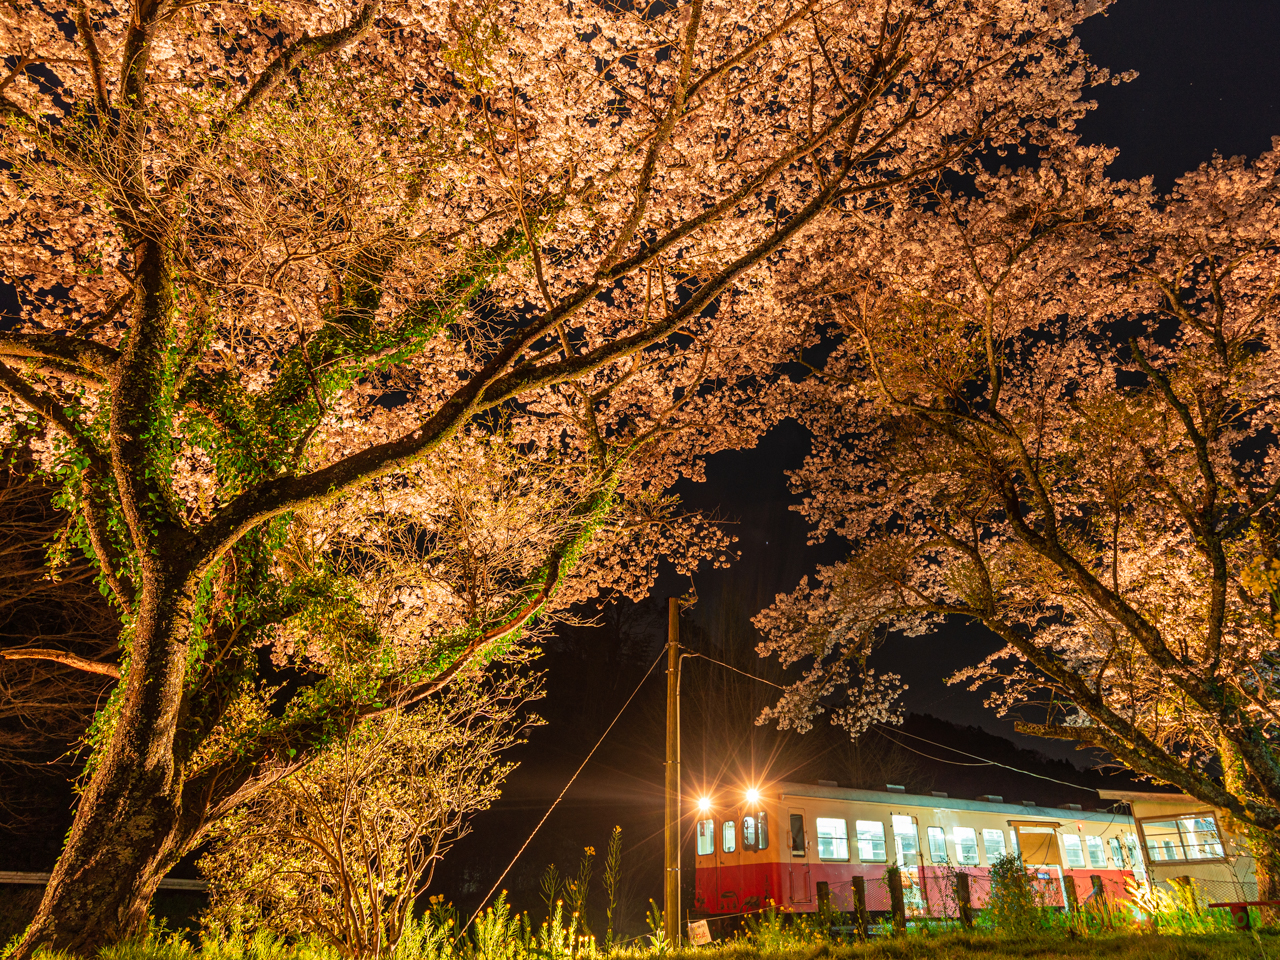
(1209, 81)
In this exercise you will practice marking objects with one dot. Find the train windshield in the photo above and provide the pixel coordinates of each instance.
(706, 837)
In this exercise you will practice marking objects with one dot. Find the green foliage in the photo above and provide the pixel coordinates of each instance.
(612, 874)
(577, 889)
(1015, 908)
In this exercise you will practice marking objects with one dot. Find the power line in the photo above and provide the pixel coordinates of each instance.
(983, 761)
(703, 656)
(881, 730)
(557, 800)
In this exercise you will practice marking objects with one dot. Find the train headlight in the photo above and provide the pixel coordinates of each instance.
(704, 804)
(753, 795)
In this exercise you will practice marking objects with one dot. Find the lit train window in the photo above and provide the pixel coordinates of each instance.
(1117, 855)
(833, 839)
(905, 841)
(1097, 855)
(1075, 853)
(870, 841)
(966, 845)
(762, 824)
(706, 837)
(797, 835)
(1189, 838)
(993, 843)
(730, 836)
(937, 845)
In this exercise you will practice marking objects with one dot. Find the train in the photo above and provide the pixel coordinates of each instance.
(777, 846)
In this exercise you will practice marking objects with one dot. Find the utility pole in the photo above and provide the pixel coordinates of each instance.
(671, 877)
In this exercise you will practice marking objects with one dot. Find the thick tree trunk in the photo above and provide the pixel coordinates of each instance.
(129, 831)
(1263, 845)
(131, 826)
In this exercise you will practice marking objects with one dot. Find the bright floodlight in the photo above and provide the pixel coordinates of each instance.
(753, 795)
(704, 804)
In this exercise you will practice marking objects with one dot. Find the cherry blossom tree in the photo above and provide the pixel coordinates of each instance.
(362, 335)
(1051, 411)
(344, 848)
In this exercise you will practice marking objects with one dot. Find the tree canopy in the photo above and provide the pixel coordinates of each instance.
(360, 335)
(1052, 411)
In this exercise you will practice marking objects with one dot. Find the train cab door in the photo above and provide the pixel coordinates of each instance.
(729, 867)
(801, 880)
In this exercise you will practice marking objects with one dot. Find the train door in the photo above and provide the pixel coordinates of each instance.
(801, 882)
(906, 842)
(729, 877)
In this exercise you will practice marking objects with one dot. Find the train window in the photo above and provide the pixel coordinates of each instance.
(1097, 854)
(1188, 838)
(1135, 857)
(1117, 857)
(706, 837)
(993, 843)
(730, 830)
(833, 839)
(1075, 853)
(762, 825)
(905, 841)
(870, 841)
(966, 845)
(748, 833)
(937, 845)
(797, 835)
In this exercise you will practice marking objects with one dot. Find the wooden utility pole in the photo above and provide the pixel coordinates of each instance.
(671, 877)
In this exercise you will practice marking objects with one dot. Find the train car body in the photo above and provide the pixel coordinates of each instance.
(778, 848)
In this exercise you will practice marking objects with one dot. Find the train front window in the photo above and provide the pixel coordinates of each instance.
(762, 826)
(870, 841)
(730, 836)
(1188, 838)
(706, 837)
(797, 835)
(833, 839)
(966, 845)
(748, 833)
(993, 843)
(937, 845)
(1097, 855)
(1075, 852)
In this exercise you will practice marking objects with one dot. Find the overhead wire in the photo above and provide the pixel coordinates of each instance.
(983, 761)
(463, 929)
(995, 763)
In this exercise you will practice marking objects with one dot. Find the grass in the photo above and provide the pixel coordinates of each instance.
(951, 946)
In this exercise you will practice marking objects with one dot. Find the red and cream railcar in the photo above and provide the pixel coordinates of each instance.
(777, 845)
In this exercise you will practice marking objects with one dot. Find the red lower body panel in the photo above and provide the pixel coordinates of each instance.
(927, 891)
